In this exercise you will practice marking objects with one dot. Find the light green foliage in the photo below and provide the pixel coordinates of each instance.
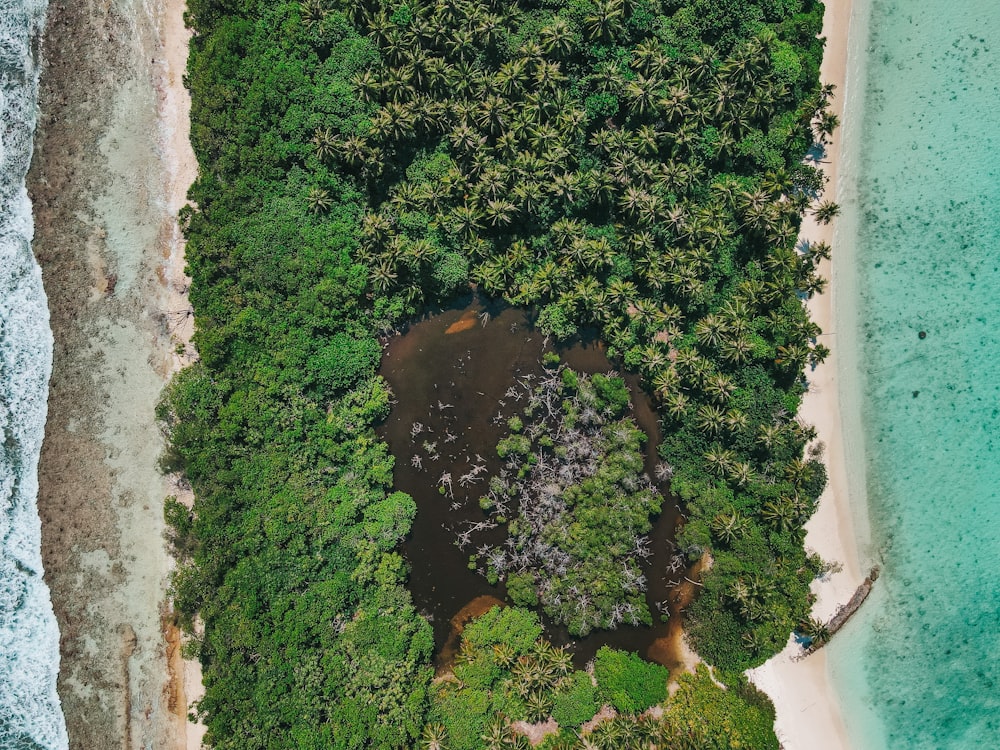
(497, 685)
(180, 526)
(704, 714)
(576, 703)
(516, 628)
(504, 669)
(516, 445)
(627, 682)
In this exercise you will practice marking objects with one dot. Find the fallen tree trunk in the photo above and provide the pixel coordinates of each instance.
(846, 611)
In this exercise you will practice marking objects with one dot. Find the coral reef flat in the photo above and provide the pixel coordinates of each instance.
(111, 169)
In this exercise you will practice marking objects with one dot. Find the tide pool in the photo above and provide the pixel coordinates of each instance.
(917, 668)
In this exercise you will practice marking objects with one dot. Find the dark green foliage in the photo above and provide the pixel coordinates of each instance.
(521, 588)
(627, 682)
(310, 639)
(343, 362)
(180, 527)
(643, 176)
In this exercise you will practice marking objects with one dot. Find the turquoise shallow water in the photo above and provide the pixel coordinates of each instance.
(918, 668)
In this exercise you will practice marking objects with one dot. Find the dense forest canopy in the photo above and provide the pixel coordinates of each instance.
(630, 165)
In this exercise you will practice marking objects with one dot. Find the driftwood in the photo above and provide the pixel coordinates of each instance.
(846, 611)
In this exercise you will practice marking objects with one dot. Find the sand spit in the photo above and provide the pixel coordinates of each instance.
(111, 167)
(808, 709)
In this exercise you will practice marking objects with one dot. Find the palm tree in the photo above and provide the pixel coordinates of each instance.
(793, 356)
(642, 94)
(813, 285)
(461, 44)
(376, 228)
(753, 641)
(313, 11)
(711, 330)
(466, 220)
(826, 211)
(604, 23)
(563, 743)
(383, 276)
(719, 387)
(710, 418)
(828, 122)
(819, 249)
(729, 527)
(510, 78)
(631, 201)
(325, 143)
(737, 350)
(499, 213)
(558, 38)
(562, 661)
(818, 355)
(564, 186)
(675, 403)
(496, 733)
(490, 30)
(737, 421)
(720, 460)
(434, 737)
(538, 705)
(319, 200)
(394, 122)
(798, 472)
(779, 513)
(815, 630)
(666, 381)
(676, 104)
(770, 435)
(548, 75)
(741, 473)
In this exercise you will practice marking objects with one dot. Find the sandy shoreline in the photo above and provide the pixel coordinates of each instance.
(808, 709)
(106, 196)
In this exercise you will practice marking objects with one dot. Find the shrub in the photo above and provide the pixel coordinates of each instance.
(343, 362)
(518, 628)
(521, 589)
(575, 703)
(450, 273)
(627, 682)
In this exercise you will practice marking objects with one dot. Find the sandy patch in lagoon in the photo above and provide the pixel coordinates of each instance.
(809, 715)
(111, 169)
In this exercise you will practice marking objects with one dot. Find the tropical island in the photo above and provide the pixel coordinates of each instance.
(636, 169)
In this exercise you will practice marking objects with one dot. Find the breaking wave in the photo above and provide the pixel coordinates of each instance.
(30, 715)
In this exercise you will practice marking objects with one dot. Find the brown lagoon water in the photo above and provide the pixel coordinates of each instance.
(451, 374)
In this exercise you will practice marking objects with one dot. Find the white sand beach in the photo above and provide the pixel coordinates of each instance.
(112, 166)
(808, 710)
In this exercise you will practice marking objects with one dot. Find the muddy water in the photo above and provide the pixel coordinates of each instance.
(450, 374)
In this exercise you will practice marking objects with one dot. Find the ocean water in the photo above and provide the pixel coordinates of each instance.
(30, 715)
(918, 667)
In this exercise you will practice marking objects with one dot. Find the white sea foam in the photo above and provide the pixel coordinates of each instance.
(30, 714)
